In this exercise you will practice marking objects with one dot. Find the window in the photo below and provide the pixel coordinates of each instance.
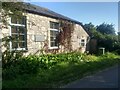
(54, 25)
(82, 42)
(18, 33)
(54, 31)
(20, 20)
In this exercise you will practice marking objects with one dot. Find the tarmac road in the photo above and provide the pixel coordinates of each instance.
(107, 78)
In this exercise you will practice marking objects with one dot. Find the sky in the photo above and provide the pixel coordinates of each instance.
(85, 12)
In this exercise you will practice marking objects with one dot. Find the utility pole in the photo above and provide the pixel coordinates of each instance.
(119, 21)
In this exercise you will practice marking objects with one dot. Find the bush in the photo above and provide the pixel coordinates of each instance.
(10, 73)
(15, 64)
(10, 58)
(33, 64)
(117, 51)
(24, 65)
(54, 70)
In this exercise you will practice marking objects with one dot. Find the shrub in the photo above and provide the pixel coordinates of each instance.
(9, 58)
(117, 51)
(32, 64)
(10, 73)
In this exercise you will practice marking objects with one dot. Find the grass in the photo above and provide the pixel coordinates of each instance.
(63, 72)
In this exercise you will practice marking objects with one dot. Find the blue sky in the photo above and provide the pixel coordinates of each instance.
(85, 12)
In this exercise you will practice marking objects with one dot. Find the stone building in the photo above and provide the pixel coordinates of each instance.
(39, 29)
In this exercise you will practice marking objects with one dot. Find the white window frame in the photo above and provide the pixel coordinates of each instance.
(55, 47)
(83, 42)
(10, 27)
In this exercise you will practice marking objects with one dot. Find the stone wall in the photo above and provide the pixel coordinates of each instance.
(78, 34)
(5, 32)
(40, 25)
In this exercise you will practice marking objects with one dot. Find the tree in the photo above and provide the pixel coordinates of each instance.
(119, 36)
(106, 29)
(108, 39)
(104, 34)
(89, 28)
(9, 9)
(15, 9)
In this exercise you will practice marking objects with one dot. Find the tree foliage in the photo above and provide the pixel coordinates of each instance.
(106, 28)
(89, 28)
(15, 9)
(105, 36)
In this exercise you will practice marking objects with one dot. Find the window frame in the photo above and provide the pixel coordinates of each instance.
(83, 42)
(52, 29)
(25, 34)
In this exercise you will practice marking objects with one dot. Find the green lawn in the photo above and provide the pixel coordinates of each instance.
(70, 67)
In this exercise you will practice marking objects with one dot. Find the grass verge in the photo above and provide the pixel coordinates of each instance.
(62, 72)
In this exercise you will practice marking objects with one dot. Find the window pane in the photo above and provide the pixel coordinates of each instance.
(21, 37)
(82, 40)
(21, 44)
(13, 29)
(21, 30)
(24, 20)
(82, 44)
(19, 20)
(56, 32)
(52, 44)
(14, 20)
(51, 33)
(14, 37)
(54, 25)
(16, 29)
(51, 25)
(51, 38)
(56, 42)
(14, 45)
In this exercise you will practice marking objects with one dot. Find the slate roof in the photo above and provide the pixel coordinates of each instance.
(46, 12)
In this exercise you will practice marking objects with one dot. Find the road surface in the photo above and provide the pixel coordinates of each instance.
(107, 78)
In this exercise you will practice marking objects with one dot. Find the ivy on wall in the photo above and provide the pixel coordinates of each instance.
(65, 35)
(64, 38)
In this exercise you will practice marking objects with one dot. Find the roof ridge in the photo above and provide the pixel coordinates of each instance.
(32, 8)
